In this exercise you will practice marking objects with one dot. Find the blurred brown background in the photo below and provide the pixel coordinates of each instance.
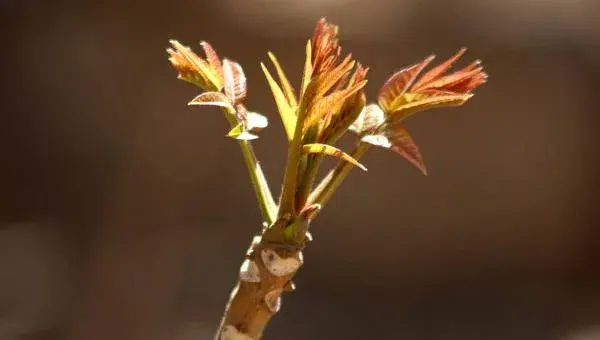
(115, 196)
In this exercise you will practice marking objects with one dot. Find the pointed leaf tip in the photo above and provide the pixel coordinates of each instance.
(403, 144)
(286, 86)
(212, 98)
(240, 133)
(286, 111)
(331, 151)
(391, 93)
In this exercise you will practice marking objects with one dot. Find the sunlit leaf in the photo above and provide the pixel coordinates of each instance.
(326, 80)
(369, 120)
(427, 103)
(393, 89)
(439, 70)
(466, 84)
(340, 123)
(193, 68)
(330, 104)
(235, 81)
(288, 116)
(377, 140)
(212, 98)
(288, 90)
(325, 46)
(213, 61)
(331, 151)
(308, 71)
(255, 121)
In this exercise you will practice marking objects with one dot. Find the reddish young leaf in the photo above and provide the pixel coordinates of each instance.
(235, 81)
(323, 109)
(424, 102)
(462, 81)
(439, 70)
(213, 60)
(326, 80)
(403, 144)
(350, 111)
(450, 82)
(325, 46)
(192, 68)
(212, 98)
(399, 83)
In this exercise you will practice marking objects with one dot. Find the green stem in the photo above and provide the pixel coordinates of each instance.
(335, 177)
(314, 161)
(266, 203)
(290, 177)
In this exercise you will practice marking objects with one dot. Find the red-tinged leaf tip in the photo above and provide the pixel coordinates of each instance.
(235, 81)
(325, 46)
(399, 83)
(192, 68)
(213, 60)
(439, 70)
(403, 144)
(308, 212)
(462, 81)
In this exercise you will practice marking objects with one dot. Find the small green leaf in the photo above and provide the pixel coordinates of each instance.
(329, 150)
(240, 133)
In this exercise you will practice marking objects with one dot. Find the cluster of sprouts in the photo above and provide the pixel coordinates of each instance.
(328, 103)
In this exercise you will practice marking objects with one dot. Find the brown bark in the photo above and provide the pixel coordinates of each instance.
(267, 272)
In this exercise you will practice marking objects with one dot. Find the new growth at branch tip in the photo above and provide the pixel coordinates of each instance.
(329, 102)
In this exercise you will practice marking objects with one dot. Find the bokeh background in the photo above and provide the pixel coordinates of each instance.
(124, 213)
